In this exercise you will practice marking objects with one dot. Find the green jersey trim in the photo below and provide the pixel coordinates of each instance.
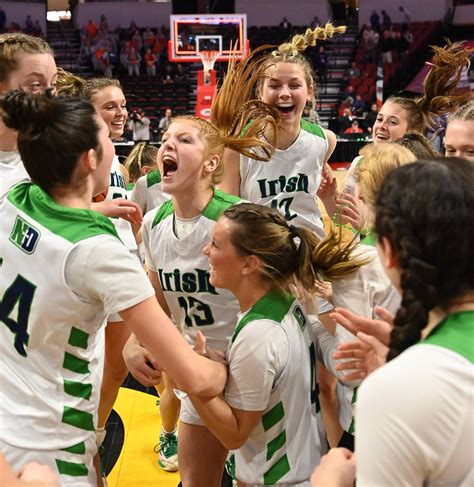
(130, 186)
(277, 471)
(70, 468)
(273, 306)
(454, 333)
(370, 239)
(217, 205)
(78, 338)
(79, 419)
(78, 449)
(153, 177)
(312, 128)
(71, 224)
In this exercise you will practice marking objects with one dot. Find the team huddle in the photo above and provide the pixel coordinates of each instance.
(204, 269)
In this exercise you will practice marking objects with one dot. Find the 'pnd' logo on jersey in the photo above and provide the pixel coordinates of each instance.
(24, 236)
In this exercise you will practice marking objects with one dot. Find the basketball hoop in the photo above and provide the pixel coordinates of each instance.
(208, 59)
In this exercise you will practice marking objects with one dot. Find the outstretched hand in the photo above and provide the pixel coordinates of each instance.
(347, 211)
(361, 357)
(120, 208)
(379, 329)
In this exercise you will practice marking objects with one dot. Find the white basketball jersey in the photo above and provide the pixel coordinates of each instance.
(117, 189)
(284, 448)
(290, 180)
(52, 343)
(12, 171)
(147, 192)
(183, 270)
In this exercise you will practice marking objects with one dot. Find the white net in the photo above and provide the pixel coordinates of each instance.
(208, 59)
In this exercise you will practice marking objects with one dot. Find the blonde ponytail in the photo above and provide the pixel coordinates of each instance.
(300, 42)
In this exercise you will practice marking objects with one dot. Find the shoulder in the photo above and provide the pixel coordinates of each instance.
(159, 214)
(429, 372)
(152, 178)
(218, 204)
(313, 128)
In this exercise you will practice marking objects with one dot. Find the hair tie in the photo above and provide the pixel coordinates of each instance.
(293, 231)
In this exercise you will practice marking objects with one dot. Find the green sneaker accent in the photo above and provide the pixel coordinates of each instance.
(168, 458)
(230, 466)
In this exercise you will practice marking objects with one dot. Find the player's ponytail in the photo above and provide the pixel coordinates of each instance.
(286, 251)
(300, 42)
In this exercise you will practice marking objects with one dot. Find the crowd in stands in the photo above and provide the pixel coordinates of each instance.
(132, 50)
(30, 26)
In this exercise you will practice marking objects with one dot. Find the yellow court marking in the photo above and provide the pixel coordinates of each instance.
(136, 465)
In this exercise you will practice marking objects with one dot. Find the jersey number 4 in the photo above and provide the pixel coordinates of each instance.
(196, 312)
(20, 296)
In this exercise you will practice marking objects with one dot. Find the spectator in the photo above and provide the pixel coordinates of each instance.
(136, 41)
(28, 25)
(150, 62)
(284, 24)
(168, 75)
(103, 24)
(91, 30)
(386, 20)
(180, 73)
(132, 61)
(315, 22)
(371, 42)
(386, 46)
(401, 46)
(354, 128)
(165, 122)
(359, 106)
(349, 92)
(139, 124)
(3, 19)
(405, 17)
(375, 21)
(345, 120)
(352, 72)
(132, 29)
(37, 30)
(321, 63)
(370, 117)
(148, 38)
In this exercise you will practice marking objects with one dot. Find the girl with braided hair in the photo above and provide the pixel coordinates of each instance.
(414, 414)
(271, 412)
(142, 159)
(174, 233)
(289, 181)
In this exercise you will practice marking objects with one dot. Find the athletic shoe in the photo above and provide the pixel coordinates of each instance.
(168, 458)
(230, 466)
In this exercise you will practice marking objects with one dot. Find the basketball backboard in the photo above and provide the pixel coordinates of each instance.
(192, 33)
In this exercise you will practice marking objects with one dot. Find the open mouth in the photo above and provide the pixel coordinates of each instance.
(382, 137)
(285, 108)
(169, 167)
